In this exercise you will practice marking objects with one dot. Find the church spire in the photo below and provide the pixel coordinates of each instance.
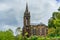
(27, 7)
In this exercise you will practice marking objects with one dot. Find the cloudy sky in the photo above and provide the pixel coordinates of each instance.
(12, 11)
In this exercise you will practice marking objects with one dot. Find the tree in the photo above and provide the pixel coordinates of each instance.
(54, 21)
(6, 35)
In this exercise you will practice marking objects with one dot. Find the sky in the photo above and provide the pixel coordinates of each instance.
(12, 11)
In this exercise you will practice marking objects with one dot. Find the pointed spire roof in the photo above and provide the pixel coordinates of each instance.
(27, 7)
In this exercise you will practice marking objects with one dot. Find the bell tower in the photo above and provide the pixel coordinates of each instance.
(26, 16)
(26, 21)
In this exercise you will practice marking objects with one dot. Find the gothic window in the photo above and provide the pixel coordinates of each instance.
(34, 31)
(39, 31)
(43, 31)
(26, 22)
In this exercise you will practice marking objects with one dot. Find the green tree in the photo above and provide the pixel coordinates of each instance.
(54, 22)
(6, 35)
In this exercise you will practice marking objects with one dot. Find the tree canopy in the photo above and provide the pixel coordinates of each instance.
(6, 35)
(54, 21)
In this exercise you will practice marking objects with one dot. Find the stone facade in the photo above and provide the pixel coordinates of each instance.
(39, 30)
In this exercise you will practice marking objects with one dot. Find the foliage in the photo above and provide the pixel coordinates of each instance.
(50, 32)
(54, 25)
(54, 21)
(6, 35)
(19, 37)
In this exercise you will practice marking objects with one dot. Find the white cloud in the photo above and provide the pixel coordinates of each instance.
(4, 7)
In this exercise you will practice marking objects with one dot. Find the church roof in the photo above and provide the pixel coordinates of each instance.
(41, 24)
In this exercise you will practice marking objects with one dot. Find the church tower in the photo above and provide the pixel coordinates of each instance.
(27, 17)
(26, 21)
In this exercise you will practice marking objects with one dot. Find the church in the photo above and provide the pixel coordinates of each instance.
(38, 30)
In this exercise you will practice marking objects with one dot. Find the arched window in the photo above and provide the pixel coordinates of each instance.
(43, 31)
(38, 31)
(34, 31)
(26, 22)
